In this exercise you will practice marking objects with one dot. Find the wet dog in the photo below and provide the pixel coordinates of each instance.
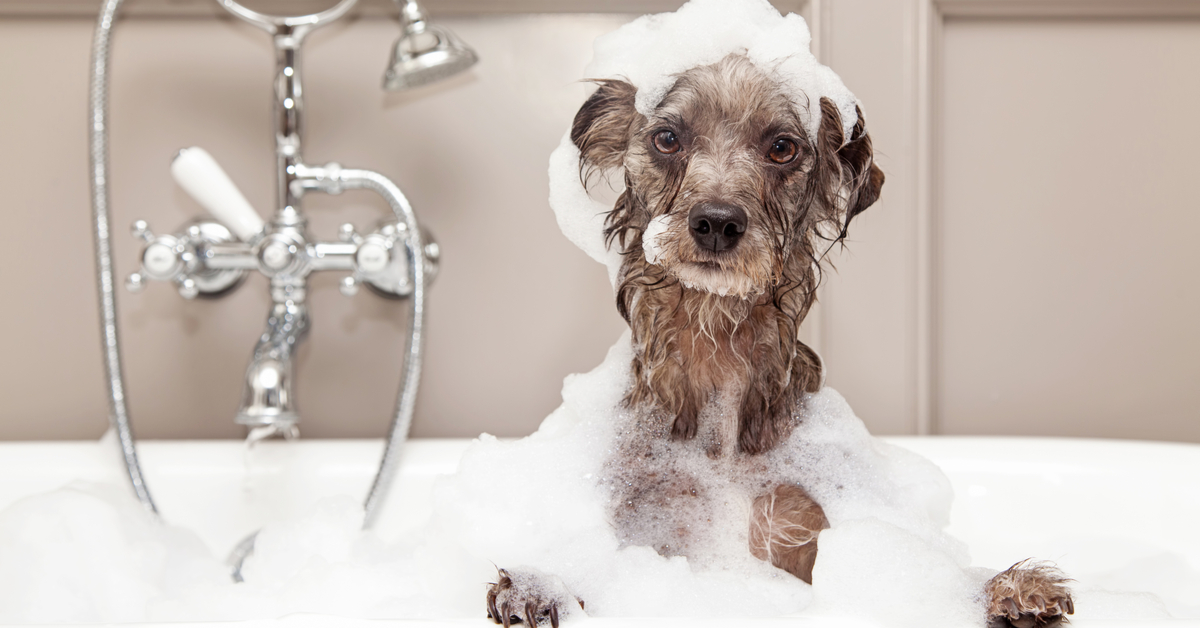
(728, 209)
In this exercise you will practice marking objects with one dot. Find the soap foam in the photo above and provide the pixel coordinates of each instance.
(91, 553)
(651, 246)
(652, 50)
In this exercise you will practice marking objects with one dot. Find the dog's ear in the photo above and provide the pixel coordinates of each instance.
(603, 126)
(847, 170)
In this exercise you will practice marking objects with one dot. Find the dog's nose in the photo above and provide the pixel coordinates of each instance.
(717, 226)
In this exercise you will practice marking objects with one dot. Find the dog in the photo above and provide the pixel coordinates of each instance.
(728, 210)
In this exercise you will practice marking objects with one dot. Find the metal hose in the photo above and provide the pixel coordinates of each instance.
(406, 398)
(118, 413)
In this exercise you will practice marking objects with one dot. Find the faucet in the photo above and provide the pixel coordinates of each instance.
(267, 405)
(211, 258)
(204, 260)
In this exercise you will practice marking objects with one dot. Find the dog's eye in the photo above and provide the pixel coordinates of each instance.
(666, 142)
(783, 151)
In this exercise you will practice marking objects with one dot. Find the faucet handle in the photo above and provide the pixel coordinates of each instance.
(135, 282)
(347, 233)
(188, 288)
(183, 258)
(349, 286)
(198, 173)
(382, 259)
(163, 258)
(141, 230)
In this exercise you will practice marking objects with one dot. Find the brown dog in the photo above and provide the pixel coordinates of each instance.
(728, 209)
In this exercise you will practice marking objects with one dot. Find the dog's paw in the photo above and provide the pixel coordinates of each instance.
(1028, 595)
(531, 597)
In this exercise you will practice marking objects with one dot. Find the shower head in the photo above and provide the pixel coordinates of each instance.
(425, 53)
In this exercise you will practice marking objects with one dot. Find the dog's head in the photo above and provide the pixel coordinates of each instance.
(725, 190)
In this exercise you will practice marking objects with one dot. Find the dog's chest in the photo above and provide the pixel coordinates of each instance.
(675, 497)
(715, 353)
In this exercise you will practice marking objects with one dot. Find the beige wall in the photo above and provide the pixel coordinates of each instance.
(1068, 256)
(1005, 284)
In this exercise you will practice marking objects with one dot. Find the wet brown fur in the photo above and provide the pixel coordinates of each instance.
(1028, 595)
(691, 342)
(783, 530)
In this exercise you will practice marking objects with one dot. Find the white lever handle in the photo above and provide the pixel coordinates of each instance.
(198, 174)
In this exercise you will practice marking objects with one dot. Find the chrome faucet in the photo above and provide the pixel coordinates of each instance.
(210, 258)
(267, 405)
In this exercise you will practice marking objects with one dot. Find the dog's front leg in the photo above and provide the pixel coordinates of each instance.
(661, 381)
(664, 389)
(529, 596)
(784, 525)
(782, 370)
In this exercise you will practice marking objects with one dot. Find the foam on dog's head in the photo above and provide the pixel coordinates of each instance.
(651, 51)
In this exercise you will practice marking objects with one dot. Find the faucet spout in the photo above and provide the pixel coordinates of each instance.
(268, 401)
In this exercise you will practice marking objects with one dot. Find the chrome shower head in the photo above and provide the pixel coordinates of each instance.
(425, 53)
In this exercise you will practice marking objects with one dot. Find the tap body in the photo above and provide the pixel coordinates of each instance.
(268, 400)
(208, 260)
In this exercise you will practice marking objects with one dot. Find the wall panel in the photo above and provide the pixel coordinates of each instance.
(1066, 227)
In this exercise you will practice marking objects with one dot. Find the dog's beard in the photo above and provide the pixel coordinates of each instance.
(715, 280)
(657, 241)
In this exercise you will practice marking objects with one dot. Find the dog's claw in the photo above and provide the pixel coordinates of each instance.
(493, 614)
(530, 597)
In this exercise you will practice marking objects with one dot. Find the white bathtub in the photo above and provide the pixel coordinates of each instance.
(1099, 508)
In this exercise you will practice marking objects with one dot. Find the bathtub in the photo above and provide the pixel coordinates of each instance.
(1105, 511)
